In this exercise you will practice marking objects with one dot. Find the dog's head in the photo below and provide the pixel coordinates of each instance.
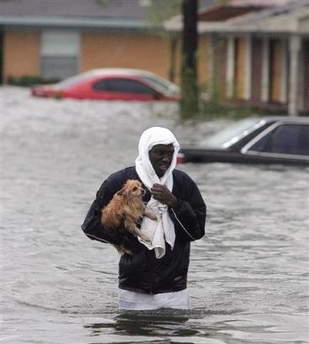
(132, 188)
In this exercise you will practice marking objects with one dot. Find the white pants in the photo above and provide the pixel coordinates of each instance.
(129, 300)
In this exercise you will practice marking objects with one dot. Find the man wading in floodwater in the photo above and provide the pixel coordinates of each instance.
(154, 275)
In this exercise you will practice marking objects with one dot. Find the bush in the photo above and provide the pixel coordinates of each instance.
(28, 80)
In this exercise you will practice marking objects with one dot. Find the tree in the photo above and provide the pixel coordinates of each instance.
(160, 11)
(189, 81)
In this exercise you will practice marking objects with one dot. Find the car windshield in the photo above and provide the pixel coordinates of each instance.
(232, 134)
(164, 85)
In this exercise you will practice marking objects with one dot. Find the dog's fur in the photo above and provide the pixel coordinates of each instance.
(127, 208)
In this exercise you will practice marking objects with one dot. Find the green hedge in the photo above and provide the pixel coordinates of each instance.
(28, 80)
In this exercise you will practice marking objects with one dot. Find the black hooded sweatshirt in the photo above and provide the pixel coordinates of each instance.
(141, 271)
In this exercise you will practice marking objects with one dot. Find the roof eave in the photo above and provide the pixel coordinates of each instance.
(28, 21)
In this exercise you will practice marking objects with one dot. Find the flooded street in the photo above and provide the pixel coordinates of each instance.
(248, 276)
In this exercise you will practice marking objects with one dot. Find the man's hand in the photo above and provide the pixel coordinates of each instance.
(162, 194)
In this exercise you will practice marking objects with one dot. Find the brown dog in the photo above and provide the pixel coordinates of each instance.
(127, 207)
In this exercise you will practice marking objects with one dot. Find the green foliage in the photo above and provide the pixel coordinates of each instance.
(102, 2)
(222, 2)
(158, 12)
(190, 94)
(213, 110)
(28, 80)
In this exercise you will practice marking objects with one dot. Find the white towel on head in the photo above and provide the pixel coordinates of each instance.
(162, 230)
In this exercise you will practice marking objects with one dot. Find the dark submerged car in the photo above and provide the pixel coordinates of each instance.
(270, 140)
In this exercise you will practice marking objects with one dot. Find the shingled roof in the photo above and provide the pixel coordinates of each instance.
(222, 13)
(132, 9)
(82, 13)
(287, 18)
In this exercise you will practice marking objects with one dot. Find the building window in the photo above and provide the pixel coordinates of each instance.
(59, 54)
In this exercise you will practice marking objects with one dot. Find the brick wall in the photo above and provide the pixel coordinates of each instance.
(21, 54)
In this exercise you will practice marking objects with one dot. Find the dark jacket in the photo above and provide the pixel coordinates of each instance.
(142, 271)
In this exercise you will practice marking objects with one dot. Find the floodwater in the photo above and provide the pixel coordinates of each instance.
(248, 277)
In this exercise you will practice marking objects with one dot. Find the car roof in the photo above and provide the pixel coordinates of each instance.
(128, 71)
(289, 119)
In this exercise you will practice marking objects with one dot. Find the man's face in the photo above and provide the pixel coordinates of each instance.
(161, 157)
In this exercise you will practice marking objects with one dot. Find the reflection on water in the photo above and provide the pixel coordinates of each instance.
(248, 277)
(161, 323)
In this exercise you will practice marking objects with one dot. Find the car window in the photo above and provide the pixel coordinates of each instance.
(164, 85)
(285, 139)
(123, 85)
(101, 85)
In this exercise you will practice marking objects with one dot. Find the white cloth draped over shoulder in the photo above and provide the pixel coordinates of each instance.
(162, 230)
